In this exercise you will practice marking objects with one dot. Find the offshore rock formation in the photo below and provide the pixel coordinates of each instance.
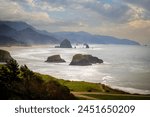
(86, 45)
(55, 59)
(83, 60)
(65, 44)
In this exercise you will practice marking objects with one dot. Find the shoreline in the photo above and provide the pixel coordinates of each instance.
(91, 91)
(115, 89)
(128, 89)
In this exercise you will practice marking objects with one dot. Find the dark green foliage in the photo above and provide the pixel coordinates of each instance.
(56, 90)
(12, 70)
(8, 76)
(22, 83)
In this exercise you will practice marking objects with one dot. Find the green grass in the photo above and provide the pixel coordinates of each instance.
(118, 97)
(46, 78)
(107, 92)
(81, 86)
(78, 86)
(1, 65)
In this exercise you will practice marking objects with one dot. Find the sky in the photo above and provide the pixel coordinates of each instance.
(119, 18)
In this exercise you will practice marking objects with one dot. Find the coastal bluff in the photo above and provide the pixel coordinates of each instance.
(5, 56)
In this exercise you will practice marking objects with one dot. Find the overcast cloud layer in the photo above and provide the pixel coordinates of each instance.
(119, 18)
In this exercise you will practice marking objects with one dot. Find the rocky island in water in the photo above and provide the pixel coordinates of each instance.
(83, 60)
(55, 59)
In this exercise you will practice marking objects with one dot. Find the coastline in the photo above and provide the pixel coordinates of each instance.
(46, 50)
(86, 90)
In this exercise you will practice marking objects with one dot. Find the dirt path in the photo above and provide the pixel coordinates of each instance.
(83, 95)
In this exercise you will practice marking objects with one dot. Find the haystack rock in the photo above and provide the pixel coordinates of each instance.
(65, 44)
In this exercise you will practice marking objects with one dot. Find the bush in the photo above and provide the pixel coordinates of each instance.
(22, 83)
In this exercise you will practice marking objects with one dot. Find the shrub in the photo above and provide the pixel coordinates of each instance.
(22, 83)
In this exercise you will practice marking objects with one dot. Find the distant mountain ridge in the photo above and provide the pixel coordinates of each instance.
(17, 25)
(8, 41)
(33, 37)
(84, 37)
(21, 32)
(6, 30)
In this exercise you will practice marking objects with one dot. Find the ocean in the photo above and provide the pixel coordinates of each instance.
(125, 67)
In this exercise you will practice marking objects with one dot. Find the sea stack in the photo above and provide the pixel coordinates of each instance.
(65, 44)
(86, 45)
(55, 59)
(5, 56)
(84, 60)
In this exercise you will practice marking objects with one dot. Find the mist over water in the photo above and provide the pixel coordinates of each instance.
(125, 67)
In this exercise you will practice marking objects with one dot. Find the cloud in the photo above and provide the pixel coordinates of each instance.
(120, 18)
(43, 5)
(140, 3)
(140, 24)
(103, 9)
(139, 8)
(16, 12)
(107, 6)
